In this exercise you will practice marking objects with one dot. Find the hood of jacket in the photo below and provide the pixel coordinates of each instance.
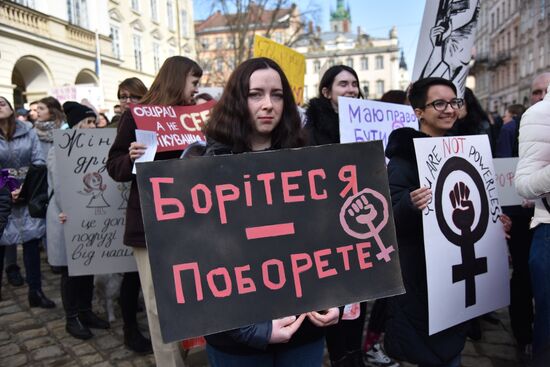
(400, 143)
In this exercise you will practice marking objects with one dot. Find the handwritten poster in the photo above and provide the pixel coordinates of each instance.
(176, 126)
(293, 63)
(446, 39)
(95, 205)
(505, 171)
(366, 120)
(466, 255)
(257, 236)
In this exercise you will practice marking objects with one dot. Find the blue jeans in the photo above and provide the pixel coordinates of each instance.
(307, 355)
(539, 266)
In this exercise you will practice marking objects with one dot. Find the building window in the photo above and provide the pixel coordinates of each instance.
(379, 88)
(77, 12)
(379, 62)
(219, 65)
(530, 62)
(330, 62)
(135, 5)
(349, 62)
(170, 14)
(184, 23)
(27, 3)
(115, 37)
(541, 57)
(366, 90)
(542, 9)
(156, 56)
(316, 66)
(219, 43)
(154, 10)
(204, 43)
(364, 63)
(137, 52)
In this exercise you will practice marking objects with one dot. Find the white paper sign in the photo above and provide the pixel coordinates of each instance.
(446, 39)
(95, 204)
(505, 171)
(366, 120)
(466, 255)
(149, 138)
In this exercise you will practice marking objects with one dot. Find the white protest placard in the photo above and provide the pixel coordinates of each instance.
(149, 139)
(505, 171)
(466, 255)
(95, 205)
(446, 39)
(366, 120)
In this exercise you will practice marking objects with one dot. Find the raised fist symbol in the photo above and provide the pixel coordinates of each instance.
(360, 219)
(463, 208)
(363, 211)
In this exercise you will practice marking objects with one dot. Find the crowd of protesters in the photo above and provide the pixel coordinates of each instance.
(257, 112)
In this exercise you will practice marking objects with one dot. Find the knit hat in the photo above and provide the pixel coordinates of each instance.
(76, 112)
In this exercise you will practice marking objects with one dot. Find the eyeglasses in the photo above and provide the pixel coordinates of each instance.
(441, 105)
(131, 98)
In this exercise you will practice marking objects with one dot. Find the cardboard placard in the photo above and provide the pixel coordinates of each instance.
(239, 239)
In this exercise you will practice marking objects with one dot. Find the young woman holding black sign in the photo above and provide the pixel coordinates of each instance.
(175, 85)
(76, 291)
(257, 112)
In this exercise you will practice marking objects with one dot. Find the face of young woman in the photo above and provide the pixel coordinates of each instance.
(87, 123)
(191, 88)
(126, 98)
(437, 123)
(5, 110)
(42, 112)
(265, 104)
(344, 85)
(102, 122)
(507, 117)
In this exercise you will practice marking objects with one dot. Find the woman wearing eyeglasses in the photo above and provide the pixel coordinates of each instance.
(130, 90)
(436, 106)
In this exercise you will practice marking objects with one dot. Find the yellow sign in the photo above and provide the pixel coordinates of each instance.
(293, 63)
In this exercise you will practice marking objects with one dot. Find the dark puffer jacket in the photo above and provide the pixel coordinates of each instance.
(407, 325)
(322, 124)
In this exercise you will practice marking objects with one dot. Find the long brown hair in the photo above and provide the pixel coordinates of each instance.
(55, 110)
(133, 85)
(168, 88)
(11, 122)
(231, 123)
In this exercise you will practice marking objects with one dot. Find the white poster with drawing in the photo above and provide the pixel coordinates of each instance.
(95, 205)
(366, 120)
(464, 240)
(446, 39)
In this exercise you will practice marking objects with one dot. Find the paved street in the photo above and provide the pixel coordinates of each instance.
(37, 337)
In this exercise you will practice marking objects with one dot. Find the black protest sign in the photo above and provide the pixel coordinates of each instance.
(239, 239)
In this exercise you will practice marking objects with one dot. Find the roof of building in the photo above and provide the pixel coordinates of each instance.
(219, 22)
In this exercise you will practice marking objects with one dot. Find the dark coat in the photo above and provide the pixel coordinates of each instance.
(119, 166)
(254, 339)
(322, 124)
(407, 325)
(5, 207)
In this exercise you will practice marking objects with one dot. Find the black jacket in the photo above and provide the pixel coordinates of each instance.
(253, 339)
(322, 125)
(407, 325)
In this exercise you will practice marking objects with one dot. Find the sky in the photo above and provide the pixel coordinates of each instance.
(375, 17)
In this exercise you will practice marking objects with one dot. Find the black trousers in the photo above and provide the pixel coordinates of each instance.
(76, 292)
(521, 296)
(346, 336)
(129, 296)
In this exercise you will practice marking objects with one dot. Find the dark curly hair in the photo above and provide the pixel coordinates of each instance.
(231, 122)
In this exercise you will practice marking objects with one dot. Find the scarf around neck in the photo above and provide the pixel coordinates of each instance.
(44, 130)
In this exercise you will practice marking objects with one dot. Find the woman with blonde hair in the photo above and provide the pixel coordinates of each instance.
(175, 85)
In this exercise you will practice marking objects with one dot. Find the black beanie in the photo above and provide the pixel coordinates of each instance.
(77, 112)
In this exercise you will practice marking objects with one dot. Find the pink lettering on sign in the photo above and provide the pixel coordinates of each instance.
(273, 230)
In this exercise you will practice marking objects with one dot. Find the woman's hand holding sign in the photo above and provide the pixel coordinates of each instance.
(284, 328)
(421, 197)
(136, 150)
(325, 318)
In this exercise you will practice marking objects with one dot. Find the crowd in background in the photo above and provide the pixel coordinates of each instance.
(257, 112)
